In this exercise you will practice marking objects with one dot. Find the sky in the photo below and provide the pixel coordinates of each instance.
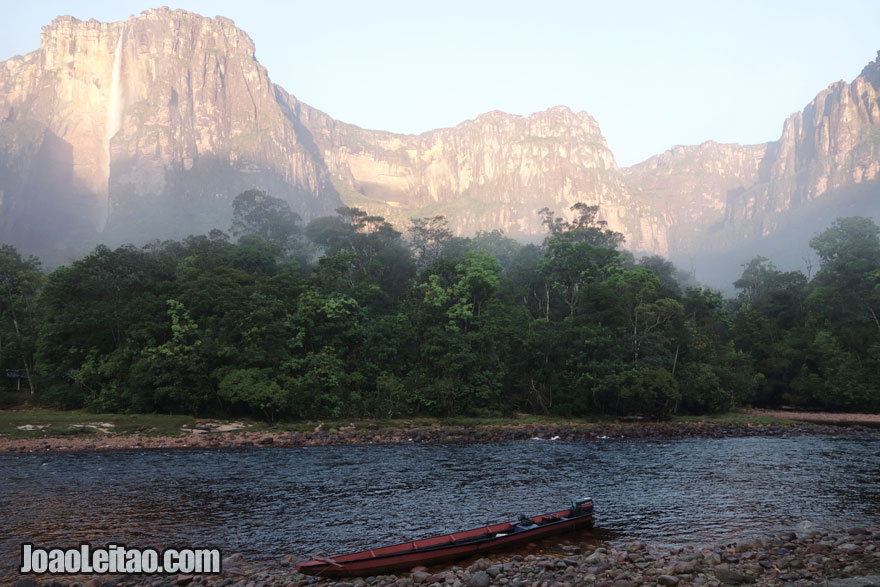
(652, 74)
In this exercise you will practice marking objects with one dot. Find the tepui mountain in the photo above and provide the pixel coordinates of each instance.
(148, 128)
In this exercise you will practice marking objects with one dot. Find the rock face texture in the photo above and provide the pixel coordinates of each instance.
(685, 191)
(148, 127)
(495, 171)
(129, 131)
(833, 144)
(715, 197)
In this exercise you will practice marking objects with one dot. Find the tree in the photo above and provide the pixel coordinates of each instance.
(585, 226)
(319, 385)
(701, 389)
(761, 281)
(463, 300)
(20, 281)
(257, 213)
(845, 288)
(372, 245)
(427, 236)
(459, 367)
(769, 321)
(669, 276)
(844, 304)
(653, 392)
(256, 389)
(180, 368)
(503, 248)
(833, 378)
(95, 317)
(576, 253)
(636, 290)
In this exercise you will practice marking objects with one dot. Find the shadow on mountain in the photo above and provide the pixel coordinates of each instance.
(42, 210)
(196, 200)
(789, 244)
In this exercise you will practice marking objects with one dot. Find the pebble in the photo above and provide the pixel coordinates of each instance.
(853, 560)
(429, 434)
(683, 567)
(731, 576)
(869, 581)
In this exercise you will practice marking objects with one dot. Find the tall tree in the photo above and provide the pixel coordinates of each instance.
(256, 212)
(845, 286)
(20, 280)
(427, 236)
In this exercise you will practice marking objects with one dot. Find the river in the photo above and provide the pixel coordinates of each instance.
(270, 502)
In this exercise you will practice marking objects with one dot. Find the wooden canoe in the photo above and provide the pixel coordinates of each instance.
(451, 546)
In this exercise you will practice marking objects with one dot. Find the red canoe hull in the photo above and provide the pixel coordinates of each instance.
(442, 548)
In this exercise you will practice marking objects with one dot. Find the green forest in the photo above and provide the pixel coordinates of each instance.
(346, 317)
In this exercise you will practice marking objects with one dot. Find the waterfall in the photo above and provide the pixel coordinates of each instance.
(114, 121)
(114, 110)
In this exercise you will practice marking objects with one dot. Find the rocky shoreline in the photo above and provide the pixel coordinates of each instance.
(842, 558)
(351, 436)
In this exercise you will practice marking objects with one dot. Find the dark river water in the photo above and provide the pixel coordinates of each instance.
(271, 502)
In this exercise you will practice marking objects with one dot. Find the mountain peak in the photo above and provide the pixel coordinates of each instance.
(561, 116)
(147, 128)
(871, 72)
(169, 107)
(163, 27)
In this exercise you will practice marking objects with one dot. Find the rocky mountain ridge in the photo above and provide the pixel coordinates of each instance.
(720, 196)
(147, 128)
(495, 171)
(167, 109)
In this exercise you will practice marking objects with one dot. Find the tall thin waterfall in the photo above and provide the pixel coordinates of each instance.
(114, 121)
(114, 110)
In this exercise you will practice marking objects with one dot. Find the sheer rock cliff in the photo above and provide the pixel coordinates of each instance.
(147, 128)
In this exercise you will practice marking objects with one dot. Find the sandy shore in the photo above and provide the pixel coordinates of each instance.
(823, 417)
(855, 423)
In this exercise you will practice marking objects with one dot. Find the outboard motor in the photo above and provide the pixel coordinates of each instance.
(582, 506)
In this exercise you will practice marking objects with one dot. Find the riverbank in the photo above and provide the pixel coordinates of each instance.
(836, 419)
(842, 558)
(63, 432)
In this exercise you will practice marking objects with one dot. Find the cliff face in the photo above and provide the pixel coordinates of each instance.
(686, 189)
(716, 197)
(129, 131)
(834, 143)
(495, 171)
(152, 125)
(168, 109)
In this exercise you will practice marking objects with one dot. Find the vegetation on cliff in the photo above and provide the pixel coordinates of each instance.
(349, 318)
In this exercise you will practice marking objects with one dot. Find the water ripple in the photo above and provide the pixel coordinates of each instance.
(274, 501)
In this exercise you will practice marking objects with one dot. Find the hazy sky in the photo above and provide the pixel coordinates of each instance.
(653, 74)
